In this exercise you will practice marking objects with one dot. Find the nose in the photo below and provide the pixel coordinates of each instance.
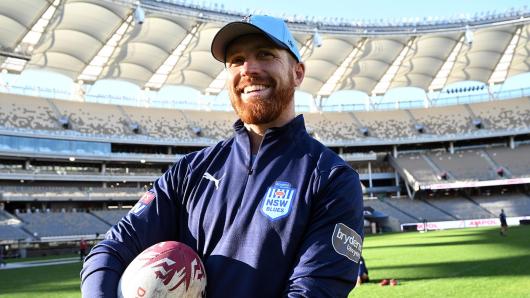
(249, 67)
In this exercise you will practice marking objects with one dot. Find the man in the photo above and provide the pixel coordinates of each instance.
(271, 211)
(504, 224)
(83, 245)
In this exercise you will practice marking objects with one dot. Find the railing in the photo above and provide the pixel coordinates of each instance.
(376, 102)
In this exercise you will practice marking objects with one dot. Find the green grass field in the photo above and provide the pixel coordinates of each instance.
(455, 263)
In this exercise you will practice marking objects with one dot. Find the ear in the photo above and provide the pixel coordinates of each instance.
(299, 73)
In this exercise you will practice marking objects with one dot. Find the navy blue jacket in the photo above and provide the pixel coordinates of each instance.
(288, 224)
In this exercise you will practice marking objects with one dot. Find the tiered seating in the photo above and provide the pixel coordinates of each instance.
(94, 118)
(51, 224)
(415, 165)
(513, 204)
(395, 124)
(506, 114)
(465, 165)
(216, 125)
(419, 209)
(444, 120)
(461, 208)
(390, 210)
(17, 111)
(12, 232)
(70, 193)
(332, 126)
(26, 112)
(161, 123)
(517, 160)
(111, 216)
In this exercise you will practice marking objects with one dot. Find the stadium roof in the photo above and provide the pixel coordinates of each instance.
(168, 43)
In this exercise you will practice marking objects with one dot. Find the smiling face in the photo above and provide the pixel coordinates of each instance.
(261, 79)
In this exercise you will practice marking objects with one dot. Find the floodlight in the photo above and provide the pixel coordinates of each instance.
(139, 15)
(317, 40)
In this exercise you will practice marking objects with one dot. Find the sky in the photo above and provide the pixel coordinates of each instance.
(372, 10)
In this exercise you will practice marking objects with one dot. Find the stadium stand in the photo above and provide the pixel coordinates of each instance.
(25, 112)
(418, 167)
(12, 233)
(421, 209)
(513, 204)
(93, 118)
(381, 205)
(511, 114)
(461, 207)
(516, 160)
(52, 224)
(444, 120)
(58, 193)
(111, 216)
(465, 165)
(394, 124)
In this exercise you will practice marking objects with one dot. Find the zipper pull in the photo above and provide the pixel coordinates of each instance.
(250, 171)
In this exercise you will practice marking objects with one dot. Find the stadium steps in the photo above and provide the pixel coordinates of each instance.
(399, 209)
(54, 107)
(494, 164)
(440, 209)
(100, 218)
(464, 195)
(435, 167)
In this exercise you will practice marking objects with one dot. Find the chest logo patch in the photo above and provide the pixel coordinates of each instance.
(278, 200)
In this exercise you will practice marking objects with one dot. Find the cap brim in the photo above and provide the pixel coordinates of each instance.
(230, 32)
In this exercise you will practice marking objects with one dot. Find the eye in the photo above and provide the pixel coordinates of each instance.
(234, 61)
(265, 54)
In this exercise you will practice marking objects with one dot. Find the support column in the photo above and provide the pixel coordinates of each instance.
(396, 175)
(451, 148)
(370, 183)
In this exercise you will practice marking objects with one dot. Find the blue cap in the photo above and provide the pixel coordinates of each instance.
(275, 29)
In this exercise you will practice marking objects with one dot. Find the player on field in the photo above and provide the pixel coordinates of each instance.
(504, 223)
(271, 211)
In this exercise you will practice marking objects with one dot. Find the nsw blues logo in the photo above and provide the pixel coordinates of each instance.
(278, 200)
(143, 202)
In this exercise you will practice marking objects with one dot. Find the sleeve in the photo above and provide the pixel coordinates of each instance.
(328, 261)
(153, 219)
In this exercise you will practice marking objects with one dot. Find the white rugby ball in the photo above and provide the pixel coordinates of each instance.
(166, 269)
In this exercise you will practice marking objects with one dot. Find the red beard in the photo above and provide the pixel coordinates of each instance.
(263, 110)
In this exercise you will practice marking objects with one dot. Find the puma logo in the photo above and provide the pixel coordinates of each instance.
(212, 178)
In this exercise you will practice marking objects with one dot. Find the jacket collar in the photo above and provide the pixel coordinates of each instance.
(289, 130)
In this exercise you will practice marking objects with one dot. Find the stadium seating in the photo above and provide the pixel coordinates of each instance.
(390, 210)
(465, 165)
(516, 160)
(24, 112)
(450, 120)
(12, 233)
(110, 216)
(511, 114)
(461, 207)
(513, 204)
(420, 209)
(50, 224)
(58, 193)
(416, 165)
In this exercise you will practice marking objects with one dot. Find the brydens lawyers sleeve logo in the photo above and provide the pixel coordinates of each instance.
(347, 242)
(278, 200)
(142, 203)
